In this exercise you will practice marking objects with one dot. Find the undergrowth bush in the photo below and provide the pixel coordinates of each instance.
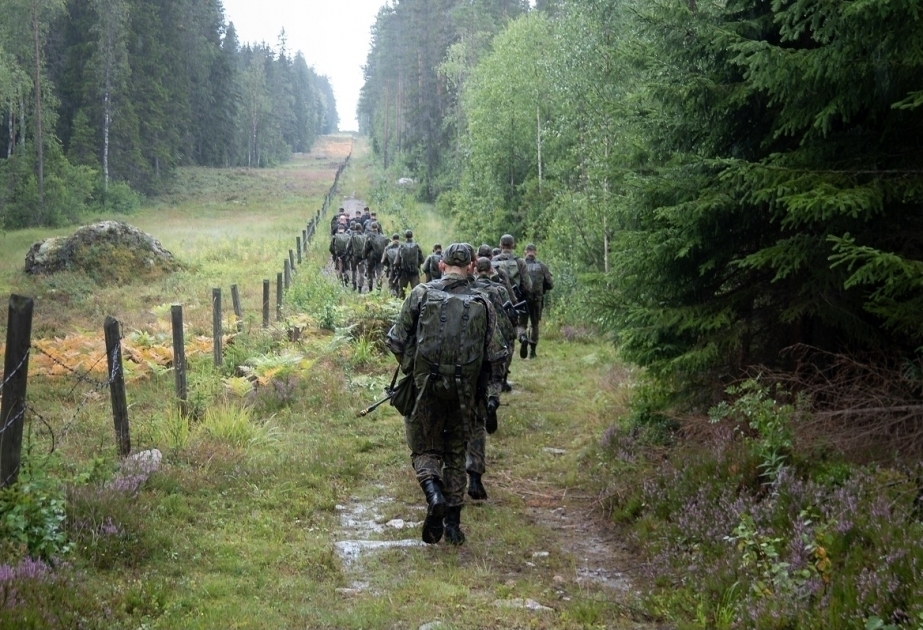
(743, 531)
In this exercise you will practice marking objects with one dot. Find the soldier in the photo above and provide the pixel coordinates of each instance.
(515, 269)
(338, 245)
(410, 257)
(541, 280)
(336, 220)
(390, 262)
(485, 422)
(431, 264)
(446, 336)
(375, 243)
(356, 254)
(366, 218)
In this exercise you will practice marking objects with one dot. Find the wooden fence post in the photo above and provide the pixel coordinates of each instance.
(265, 303)
(117, 385)
(216, 327)
(298, 249)
(15, 377)
(238, 311)
(279, 297)
(179, 358)
(291, 265)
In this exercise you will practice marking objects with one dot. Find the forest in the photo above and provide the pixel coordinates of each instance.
(100, 101)
(731, 193)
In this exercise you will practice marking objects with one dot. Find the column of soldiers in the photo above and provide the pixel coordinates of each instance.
(446, 433)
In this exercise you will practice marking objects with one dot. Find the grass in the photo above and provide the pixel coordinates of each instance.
(238, 529)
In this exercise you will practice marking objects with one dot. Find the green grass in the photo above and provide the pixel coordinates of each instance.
(239, 527)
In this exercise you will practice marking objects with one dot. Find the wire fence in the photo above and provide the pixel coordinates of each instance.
(19, 416)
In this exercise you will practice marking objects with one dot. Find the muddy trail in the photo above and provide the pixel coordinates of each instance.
(561, 540)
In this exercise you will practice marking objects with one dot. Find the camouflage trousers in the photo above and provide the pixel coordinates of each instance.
(437, 434)
(407, 281)
(357, 268)
(475, 460)
(535, 316)
(373, 273)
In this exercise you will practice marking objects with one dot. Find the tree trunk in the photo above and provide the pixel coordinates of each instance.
(538, 144)
(39, 142)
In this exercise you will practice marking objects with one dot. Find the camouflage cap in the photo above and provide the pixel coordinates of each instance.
(507, 240)
(457, 255)
(408, 233)
(483, 264)
(395, 237)
(530, 247)
(485, 251)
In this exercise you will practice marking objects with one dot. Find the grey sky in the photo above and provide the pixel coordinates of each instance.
(334, 36)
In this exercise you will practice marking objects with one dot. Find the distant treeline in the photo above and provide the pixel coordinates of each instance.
(131, 89)
(729, 179)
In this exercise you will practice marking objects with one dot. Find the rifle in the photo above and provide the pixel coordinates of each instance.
(389, 390)
(515, 311)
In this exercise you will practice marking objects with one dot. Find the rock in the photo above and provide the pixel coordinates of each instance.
(405, 181)
(110, 252)
(528, 604)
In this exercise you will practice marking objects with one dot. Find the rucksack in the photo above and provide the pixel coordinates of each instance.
(376, 247)
(340, 243)
(356, 244)
(509, 267)
(434, 271)
(409, 259)
(536, 275)
(450, 343)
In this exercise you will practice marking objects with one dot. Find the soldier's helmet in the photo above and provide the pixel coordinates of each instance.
(507, 241)
(483, 264)
(485, 251)
(408, 234)
(395, 237)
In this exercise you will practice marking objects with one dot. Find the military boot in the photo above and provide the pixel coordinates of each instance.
(435, 511)
(532, 350)
(475, 488)
(453, 532)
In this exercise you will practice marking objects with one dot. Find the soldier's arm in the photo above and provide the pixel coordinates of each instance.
(495, 353)
(401, 336)
(332, 248)
(549, 280)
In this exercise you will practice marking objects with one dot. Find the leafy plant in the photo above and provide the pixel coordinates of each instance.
(32, 513)
(770, 424)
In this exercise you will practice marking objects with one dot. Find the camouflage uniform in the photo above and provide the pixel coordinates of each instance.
(356, 255)
(475, 461)
(437, 430)
(542, 281)
(338, 246)
(521, 285)
(375, 244)
(409, 278)
(431, 264)
(389, 261)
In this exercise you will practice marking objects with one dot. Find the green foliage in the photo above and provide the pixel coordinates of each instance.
(32, 514)
(768, 421)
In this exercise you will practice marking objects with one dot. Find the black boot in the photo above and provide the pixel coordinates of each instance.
(475, 488)
(523, 346)
(453, 532)
(532, 350)
(435, 511)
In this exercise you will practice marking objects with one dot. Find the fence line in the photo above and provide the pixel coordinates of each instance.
(15, 410)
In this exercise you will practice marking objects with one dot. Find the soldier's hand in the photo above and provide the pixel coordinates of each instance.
(490, 424)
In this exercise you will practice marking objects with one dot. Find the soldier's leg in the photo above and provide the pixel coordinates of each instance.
(424, 432)
(453, 472)
(475, 458)
(413, 281)
(535, 316)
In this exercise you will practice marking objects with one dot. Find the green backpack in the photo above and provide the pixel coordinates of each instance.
(340, 243)
(409, 259)
(450, 343)
(376, 247)
(509, 267)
